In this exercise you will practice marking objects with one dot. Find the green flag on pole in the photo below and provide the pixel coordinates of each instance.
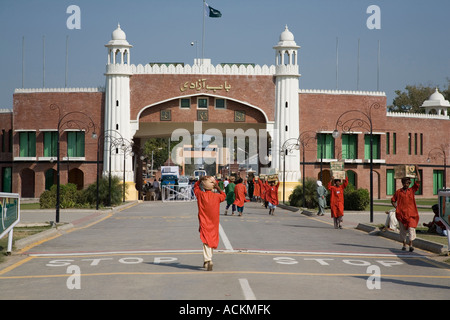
(213, 13)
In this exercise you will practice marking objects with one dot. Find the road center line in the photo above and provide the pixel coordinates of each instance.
(225, 240)
(248, 292)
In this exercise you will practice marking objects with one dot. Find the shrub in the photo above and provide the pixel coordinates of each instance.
(90, 194)
(68, 197)
(354, 199)
(296, 197)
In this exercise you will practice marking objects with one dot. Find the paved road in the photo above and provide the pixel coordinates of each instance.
(152, 251)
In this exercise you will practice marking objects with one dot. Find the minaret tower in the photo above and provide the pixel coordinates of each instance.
(286, 127)
(117, 106)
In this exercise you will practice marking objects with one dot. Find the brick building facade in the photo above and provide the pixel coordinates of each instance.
(139, 102)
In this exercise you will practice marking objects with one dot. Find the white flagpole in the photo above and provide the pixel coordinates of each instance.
(23, 61)
(67, 60)
(203, 34)
(43, 61)
(337, 63)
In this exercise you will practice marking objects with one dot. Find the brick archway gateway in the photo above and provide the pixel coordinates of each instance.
(209, 114)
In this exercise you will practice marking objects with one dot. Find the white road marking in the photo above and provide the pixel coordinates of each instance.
(248, 292)
(227, 250)
(225, 240)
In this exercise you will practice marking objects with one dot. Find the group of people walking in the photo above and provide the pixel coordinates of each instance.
(403, 200)
(235, 192)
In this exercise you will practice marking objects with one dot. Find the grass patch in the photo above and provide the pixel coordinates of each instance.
(29, 206)
(19, 233)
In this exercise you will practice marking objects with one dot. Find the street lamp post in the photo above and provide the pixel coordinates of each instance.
(305, 138)
(288, 146)
(126, 148)
(365, 122)
(68, 120)
(106, 135)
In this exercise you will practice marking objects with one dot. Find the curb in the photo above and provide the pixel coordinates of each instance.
(418, 243)
(286, 207)
(60, 229)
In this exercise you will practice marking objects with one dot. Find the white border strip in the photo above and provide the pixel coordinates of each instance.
(248, 292)
(225, 240)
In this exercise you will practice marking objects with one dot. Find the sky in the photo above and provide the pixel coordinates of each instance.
(413, 40)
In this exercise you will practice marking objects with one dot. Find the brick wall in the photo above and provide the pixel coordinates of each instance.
(32, 112)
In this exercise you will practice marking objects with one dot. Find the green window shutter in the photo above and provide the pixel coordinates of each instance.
(349, 146)
(23, 143)
(438, 180)
(47, 144)
(329, 147)
(54, 144)
(327, 142)
(390, 182)
(32, 144)
(320, 145)
(27, 141)
(80, 144)
(375, 146)
(71, 143)
(353, 147)
(345, 146)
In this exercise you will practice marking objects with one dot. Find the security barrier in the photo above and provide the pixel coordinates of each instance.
(171, 193)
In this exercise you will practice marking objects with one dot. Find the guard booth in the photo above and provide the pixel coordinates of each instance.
(10, 215)
(444, 211)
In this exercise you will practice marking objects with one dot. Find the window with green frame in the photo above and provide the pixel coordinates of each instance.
(438, 180)
(202, 103)
(349, 146)
(325, 141)
(220, 103)
(376, 146)
(185, 103)
(50, 143)
(75, 144)
(27, 144)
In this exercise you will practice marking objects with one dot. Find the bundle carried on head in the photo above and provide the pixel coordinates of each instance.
(208, 182)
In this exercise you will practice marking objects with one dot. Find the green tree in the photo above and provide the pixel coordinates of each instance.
(159, 147)
(413, 97)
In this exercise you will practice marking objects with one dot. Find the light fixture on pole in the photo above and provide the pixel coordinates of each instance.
(288, 146)
(69, 120)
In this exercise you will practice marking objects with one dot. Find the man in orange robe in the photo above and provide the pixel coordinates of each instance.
(240, 191)
(208, 203)
(257, 191)
(406, 210)
(272, 196)
(337, 201)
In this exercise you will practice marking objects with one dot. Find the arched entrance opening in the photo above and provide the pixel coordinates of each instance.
(50, 178)
(232, 135)
(27, 179)
(76, 176)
